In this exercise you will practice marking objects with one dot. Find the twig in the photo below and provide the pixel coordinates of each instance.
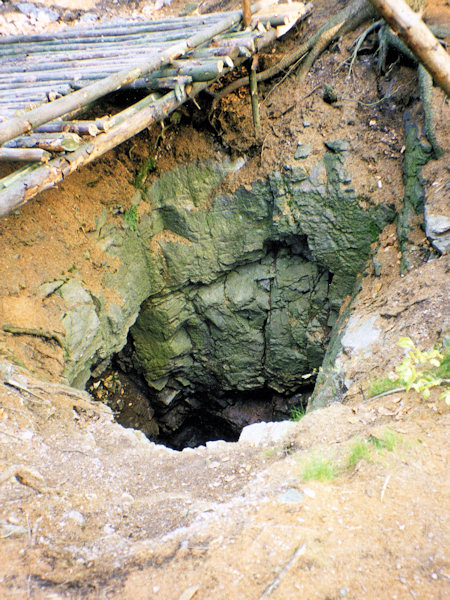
(300, 550)
(254, 97)
(359, 43)
(289, 71)
(383, 489)
(388, 393)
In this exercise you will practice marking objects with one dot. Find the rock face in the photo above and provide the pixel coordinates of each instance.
(250, 283)
(226, 291)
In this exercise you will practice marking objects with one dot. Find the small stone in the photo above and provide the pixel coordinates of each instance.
(329, 95)
(303, 151)
(338, 145)
(108, 529)
(75, 515)
(10, 530)
(48, 288)
(291, 496)
(309, 492)
(266, 433)
(307, 123)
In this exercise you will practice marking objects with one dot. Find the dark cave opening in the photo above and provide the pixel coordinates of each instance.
(188, 421)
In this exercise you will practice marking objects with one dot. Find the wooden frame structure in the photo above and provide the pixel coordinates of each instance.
(48, 80)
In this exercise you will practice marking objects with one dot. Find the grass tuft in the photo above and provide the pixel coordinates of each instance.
(360, 450)
(320, 469)
(379, 386)
(388, 442)
(297, 413)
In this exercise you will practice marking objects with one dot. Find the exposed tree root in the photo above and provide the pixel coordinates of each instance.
(349, 18)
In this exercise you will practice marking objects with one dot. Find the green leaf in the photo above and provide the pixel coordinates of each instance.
(405, 342)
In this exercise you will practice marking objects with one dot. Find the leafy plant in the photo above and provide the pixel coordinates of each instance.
(419, 370)
(131, 217)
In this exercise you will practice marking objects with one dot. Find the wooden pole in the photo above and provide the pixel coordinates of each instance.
(247, 12)
(24, 155)
(138, 117)
(419, 39)
(79, 127)
(48, 112)
(254, 97)
(94, 32)
(54, 142)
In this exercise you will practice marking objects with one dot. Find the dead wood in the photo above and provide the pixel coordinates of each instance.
(48, 112)
(24, 155)
(419, 39)
(353, 15)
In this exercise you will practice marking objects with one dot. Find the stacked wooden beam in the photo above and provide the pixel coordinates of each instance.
(46, 79)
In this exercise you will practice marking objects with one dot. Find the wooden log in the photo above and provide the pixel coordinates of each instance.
(129, 112)
(161, 83)
(56, 142)
(180, 23)
(44, 61)
(85, 41)
(33, 180)
(24, 155)
(78, 127)
(246, 12)
(117, 56)
(254, 97)
(195, 19)
(232, 52)
(419, 39)
(86, 46)
(199, 69)
(20, 190)
(47, 57)
(76, 100)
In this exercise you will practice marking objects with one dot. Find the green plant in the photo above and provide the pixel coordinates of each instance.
(148, 167)
(380, 386)
(360, 450)
(297, 413)
(388, 442)
(419, 370)
(131, 217)
(322, 469)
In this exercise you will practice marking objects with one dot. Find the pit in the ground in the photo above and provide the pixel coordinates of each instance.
(190, 422)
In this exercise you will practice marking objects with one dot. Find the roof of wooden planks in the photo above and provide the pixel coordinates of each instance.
(48, 80)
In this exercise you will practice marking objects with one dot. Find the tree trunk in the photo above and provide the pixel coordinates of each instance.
(416, 35)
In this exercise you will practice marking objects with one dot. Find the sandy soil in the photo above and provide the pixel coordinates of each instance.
(91, 510)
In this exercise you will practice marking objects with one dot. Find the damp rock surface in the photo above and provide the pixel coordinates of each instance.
(250, 283)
